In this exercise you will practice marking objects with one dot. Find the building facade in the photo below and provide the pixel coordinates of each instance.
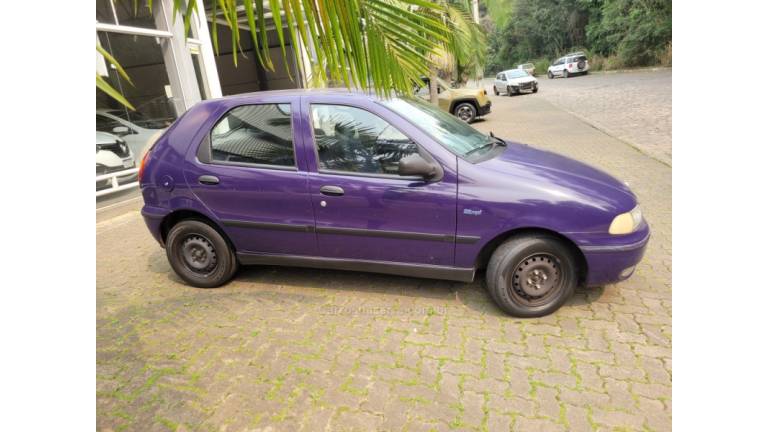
(170, 71)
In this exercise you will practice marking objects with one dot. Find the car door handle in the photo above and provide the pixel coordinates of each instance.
(332, 190)
(208, 180)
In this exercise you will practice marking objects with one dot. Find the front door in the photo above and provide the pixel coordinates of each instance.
(364, 210)
(249, 176)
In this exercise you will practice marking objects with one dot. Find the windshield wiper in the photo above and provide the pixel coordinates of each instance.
(495, 142)
(498, 140)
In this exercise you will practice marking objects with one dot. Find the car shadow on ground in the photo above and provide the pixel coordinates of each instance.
(268, 280)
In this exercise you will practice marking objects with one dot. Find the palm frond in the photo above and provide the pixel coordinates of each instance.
(383, 44)
(104, 86)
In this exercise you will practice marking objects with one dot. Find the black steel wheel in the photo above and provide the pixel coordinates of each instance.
(532, 275)
(199, 254)
(465, 111)
(535, 279)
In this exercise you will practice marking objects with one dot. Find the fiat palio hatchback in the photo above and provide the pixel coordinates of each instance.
(346, 181)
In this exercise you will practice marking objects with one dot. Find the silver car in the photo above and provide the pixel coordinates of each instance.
(515, 81)
(133, 127)
(113, 155)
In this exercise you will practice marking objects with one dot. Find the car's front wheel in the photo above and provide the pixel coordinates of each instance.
(535, 89)
(465, 111)
(511, 91)
(200, 255)
(549, 75)
(531, 275)
(495, 91)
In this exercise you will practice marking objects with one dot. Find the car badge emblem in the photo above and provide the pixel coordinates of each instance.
(473, 212)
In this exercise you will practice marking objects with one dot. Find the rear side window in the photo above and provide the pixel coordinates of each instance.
(254, 134)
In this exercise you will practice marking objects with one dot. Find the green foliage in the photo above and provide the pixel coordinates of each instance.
(615, 33)
(104, 86)
(541, 66)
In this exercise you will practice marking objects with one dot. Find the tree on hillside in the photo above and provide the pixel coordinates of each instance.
(636, 32)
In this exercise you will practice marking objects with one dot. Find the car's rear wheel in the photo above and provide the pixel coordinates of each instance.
(549, 75)
(465, 111)
(532, 275)
(200, 255)
(565, 73)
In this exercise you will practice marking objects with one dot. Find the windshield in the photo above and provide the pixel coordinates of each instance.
(518, 73)
(455, 135)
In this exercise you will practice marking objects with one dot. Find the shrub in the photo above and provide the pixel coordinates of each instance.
(541, 66)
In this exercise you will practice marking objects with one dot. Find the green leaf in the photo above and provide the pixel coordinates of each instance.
(114, 62)
(104, 86)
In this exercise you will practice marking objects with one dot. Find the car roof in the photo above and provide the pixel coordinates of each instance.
(271, 94)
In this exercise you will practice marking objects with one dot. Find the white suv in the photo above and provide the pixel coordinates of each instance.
(514, 81)
(569, 64)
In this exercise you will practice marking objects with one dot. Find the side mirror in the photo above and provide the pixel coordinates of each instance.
(120, 130)
(415, 165)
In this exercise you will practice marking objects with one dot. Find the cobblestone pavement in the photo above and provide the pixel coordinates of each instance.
(285, 349)
(635, 106)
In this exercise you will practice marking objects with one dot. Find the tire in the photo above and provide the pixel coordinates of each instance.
(465, 111)
(549, 75)
(200, 255)
(496, 92)
(525, 265)
(586, 72)
(535, 89)
(511, 92)
(565, 73)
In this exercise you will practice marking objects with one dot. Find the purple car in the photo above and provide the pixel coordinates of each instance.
(339, 180)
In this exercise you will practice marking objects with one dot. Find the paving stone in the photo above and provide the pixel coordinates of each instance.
(524, 424)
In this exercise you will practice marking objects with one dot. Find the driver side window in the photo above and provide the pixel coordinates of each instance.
(354, 140)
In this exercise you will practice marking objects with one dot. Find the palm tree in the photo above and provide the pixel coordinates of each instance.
(384, 44)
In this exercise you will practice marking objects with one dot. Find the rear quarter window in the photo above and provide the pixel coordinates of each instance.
(254, 134)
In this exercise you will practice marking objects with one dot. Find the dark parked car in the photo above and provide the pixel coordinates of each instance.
(339, 180)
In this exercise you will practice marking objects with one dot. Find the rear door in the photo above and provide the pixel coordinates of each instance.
(249, 174)
(364, 210)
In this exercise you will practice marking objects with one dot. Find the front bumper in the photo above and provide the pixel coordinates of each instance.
(616, 261)
(485, 109)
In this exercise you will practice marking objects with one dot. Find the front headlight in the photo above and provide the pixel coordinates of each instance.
(626, 223)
